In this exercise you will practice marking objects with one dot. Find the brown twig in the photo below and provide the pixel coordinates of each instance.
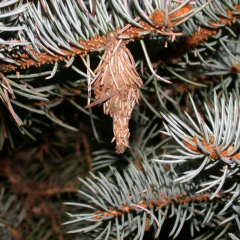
(21, 184)
(198, 37)
(4, 128)
(159, 205)
(55, 225)
(86, 144)
(212, 150)
(94, 7)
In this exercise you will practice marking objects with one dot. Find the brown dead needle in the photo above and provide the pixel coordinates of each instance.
(117, 87)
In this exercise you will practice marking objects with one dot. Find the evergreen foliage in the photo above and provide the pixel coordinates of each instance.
(179, 176)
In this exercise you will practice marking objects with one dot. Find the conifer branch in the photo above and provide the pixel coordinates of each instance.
(157, 22)
(123, 210)
(202, 34)
(210, 145)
